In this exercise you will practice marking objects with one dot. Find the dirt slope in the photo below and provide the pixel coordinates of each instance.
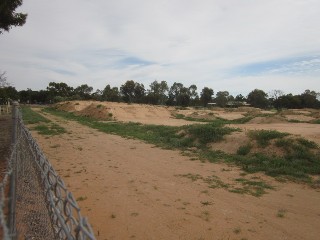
(142, 113)
(132, 190)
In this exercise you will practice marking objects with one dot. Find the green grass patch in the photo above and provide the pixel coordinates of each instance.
(307, 143)
(31, 117)
(317, 121)
(49, 129)
(209, 133)
(254, 188)
(244, 150)
(263, 137)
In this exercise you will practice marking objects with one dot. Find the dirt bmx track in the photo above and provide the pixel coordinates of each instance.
(133, 190)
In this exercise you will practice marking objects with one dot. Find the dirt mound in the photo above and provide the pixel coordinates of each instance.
(96, 111)
(248, 109)
(231, 143)
(66, 106)
(230, 115)
(142, 113)
(269, 119)
(299, 118)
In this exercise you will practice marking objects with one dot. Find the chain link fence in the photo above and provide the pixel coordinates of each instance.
(40, 206)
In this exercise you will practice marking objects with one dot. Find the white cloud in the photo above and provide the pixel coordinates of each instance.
(187, 41)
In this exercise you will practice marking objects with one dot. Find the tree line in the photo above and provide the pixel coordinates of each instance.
(158, 93)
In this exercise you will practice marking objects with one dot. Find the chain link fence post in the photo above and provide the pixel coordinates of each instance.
(12, 193)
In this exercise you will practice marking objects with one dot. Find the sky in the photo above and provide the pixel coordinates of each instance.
(233, 45)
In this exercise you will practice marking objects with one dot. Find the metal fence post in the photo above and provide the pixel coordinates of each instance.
(12, 193)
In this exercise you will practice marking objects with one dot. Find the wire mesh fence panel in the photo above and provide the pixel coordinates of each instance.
(41, 207)
(32, 218)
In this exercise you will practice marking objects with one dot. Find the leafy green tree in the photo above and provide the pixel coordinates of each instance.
(240, 98)
(258, 98)
(139, 92)
(157, 93)
(206, 96)
(84, 91)
(194, 97)
(127, 91)
(179, 95)
(132, 92)
(30, 96)
(111, 94)
(97, 95)
(222, 98)
(59, 89)
(309, 99)
(8, 93)
(8, 16)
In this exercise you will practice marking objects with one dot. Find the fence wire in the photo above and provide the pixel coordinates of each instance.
(43, 207)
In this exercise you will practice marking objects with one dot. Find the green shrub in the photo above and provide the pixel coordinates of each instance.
(263, 137)
(209, 133)
(244, 150)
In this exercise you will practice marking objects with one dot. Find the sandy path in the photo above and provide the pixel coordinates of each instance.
(133, 191)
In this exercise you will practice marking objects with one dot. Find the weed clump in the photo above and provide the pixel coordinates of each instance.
(209, 133)
(244, 150)
(263, 137)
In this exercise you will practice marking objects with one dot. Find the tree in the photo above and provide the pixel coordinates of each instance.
(97, 95)
(179, 95)
(110, 94)
(84, 91)
(157, 92)
(309, 99)
(132, 91)
(139, 92)
(206, 96)
(193, 94)
(222, 98)
(8, 93)
(3, 80)
(258, 98)
(8, 16)
(127, 91)
(275, 94)
(239, 98)
(59, 89)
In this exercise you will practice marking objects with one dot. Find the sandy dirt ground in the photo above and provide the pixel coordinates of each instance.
(133, 190)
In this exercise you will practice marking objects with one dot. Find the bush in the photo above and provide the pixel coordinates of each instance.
(244, 150)
(263, 137)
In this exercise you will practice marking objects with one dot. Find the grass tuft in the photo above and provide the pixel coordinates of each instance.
(244, 150)
(49, 129)
(263, 137)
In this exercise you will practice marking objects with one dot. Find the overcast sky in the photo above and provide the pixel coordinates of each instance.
(234, 45)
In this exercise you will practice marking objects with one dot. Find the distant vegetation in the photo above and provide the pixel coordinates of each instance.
(159, 93)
